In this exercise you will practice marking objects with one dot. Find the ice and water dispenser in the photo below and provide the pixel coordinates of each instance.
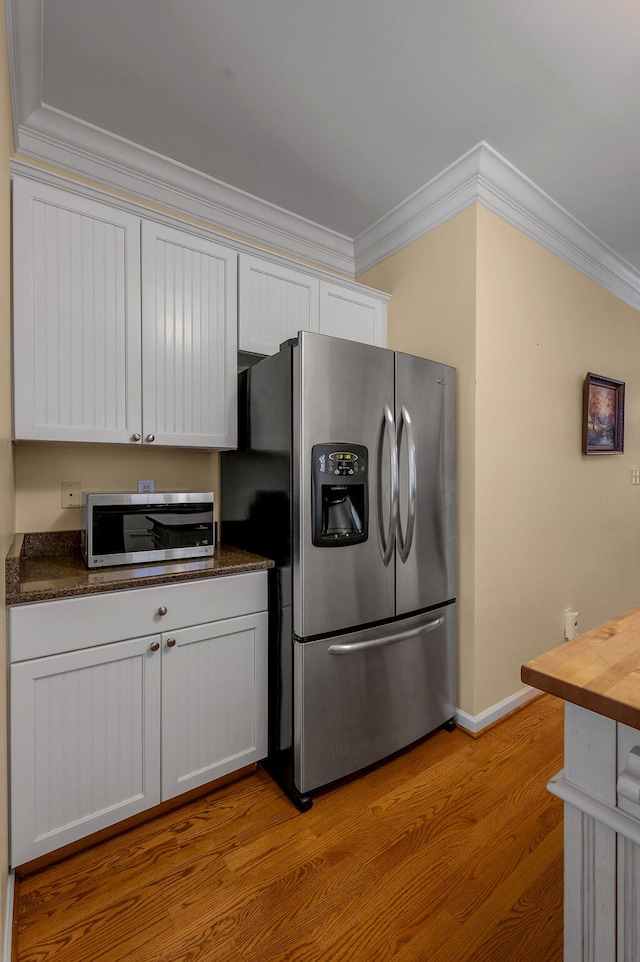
(340, 494)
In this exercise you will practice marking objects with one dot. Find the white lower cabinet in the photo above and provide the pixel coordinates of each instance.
(214, 701)
(100, 733)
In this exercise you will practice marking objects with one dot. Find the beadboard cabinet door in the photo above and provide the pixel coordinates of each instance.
(274, 303)
(214, 701)
(189, 339)
(76, 268)
(356, 315)
(85, 746)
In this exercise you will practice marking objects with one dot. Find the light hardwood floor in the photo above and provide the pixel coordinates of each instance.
(449, 852)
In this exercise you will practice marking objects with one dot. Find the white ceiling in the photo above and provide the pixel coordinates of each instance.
(338, 110)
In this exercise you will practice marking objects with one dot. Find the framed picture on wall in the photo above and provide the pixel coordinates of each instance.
(602, 415)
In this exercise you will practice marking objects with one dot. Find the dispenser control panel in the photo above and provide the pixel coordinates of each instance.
(346, 463)
(340, 494)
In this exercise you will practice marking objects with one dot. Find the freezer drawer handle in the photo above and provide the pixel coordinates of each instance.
(387, 544)
(384, 642)
(405, 542)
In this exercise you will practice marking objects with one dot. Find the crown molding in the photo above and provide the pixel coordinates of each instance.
(481, 175)
(484, 176)
(53, 137)
(24, 168)
(50, 136)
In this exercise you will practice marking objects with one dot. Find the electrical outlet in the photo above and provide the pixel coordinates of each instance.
(570, 624)
(70, 494)
(146, 487)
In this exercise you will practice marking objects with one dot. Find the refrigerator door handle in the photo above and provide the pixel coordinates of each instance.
(386, 640)
(387, 544)
(405, 542)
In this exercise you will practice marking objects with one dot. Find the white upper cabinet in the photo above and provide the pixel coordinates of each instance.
(275, 302)
(118, 340)
(189, 339)
(76, 267)
(357, 315)
(126, 328)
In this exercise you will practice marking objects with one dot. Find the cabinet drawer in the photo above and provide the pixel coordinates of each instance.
(52, 627)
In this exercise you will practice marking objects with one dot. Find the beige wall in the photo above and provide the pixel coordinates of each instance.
(554, 529)
(541, 527)
(6, 456)
(40, 470)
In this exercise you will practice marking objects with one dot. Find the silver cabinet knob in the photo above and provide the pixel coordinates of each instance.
(154, 645)
(136, 437)
(150, 437)
(171, 642)
(162, 610)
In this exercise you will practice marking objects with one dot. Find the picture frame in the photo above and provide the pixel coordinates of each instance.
(602, 415)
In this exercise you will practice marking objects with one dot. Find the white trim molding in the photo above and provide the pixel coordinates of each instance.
(476, 723)
(481, 175)
(484, 176)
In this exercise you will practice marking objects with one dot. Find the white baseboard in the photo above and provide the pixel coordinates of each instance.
(8, 918)
(475, 723)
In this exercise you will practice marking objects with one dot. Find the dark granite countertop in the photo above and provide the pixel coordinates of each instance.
(46, 566)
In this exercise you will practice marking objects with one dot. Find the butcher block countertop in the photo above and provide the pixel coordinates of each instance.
(47, 566)
(599, 670)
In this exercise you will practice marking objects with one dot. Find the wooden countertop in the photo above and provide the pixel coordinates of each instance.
(44, 567)
(599, 670)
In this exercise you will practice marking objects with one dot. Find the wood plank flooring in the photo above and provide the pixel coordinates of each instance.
(449, 852)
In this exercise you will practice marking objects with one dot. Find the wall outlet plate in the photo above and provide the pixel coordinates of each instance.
(146, 487)
(70, 496)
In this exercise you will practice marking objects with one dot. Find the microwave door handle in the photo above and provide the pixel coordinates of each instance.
(387, 426)
(405, 542)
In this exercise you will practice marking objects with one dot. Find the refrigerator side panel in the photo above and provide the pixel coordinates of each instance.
(256, 516)
(343, 388)
(426, 403)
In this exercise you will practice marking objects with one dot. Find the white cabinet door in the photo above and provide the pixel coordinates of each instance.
(85, 743)
(189, 339)
(356, 315)
(214, 701)
(76, 327)
(274, 303)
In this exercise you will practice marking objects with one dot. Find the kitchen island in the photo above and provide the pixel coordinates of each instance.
(598, 676)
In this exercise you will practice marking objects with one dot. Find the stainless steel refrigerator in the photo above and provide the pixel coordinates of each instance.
(346, 476)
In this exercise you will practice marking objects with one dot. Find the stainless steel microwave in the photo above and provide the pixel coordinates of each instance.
(126, 528)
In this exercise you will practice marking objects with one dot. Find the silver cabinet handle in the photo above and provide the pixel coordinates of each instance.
(136, 437)
(387, 544)
(162, 610)
(386, 640)
(405, 542)
(150, 437)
